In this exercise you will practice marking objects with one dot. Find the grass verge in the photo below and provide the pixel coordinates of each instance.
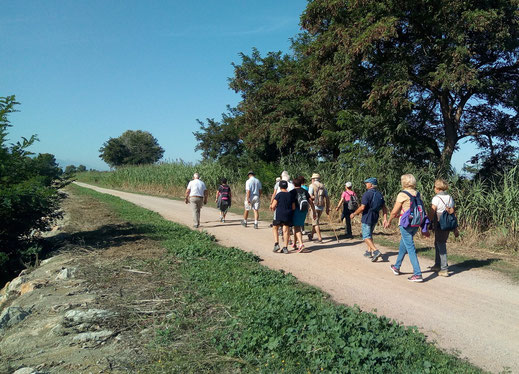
(265, 320)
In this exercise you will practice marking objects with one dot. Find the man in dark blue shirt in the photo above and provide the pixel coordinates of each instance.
(370, 205)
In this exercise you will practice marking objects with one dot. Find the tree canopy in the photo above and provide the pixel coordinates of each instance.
(416, 77)
(131, 148)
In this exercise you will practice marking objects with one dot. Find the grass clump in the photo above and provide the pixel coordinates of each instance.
(271, 322)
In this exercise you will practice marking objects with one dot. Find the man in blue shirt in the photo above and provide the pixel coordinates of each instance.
(371, 203)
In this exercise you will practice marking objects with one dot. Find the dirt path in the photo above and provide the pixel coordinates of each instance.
(475, 312)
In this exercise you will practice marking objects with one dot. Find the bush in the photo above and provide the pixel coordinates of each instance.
(29, 197)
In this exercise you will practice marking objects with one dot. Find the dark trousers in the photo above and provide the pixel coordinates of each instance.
(346, 216)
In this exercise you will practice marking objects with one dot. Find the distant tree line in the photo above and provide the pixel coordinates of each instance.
(408, 80)
(30, 196)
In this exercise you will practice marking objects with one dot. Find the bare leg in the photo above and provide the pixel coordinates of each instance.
(318, 232)
(286, 235)
(275, 233)
(256, 215)
(370, 244)
(298, 235)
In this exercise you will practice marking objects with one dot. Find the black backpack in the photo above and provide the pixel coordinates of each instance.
(353, 202)
(302, 200)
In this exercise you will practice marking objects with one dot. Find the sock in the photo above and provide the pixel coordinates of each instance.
(255, 222)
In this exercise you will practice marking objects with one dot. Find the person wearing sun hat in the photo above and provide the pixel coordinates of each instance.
(319, 196)
(370, 205)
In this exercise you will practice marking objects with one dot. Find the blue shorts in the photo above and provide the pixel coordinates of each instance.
(367, 231)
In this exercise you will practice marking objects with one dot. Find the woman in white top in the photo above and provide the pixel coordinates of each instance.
(441, 202)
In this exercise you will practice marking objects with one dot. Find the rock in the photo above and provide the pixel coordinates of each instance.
(66, 273)
(77, 317)
(26, 370)
(15, 285)
(47, 261)
(12, 315)
(97, 336)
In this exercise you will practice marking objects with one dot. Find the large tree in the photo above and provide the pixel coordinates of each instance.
(418, 75)
(131, 148)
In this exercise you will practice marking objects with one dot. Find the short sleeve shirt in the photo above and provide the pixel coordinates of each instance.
(196, 187)
(347, 195)
(442, 201)
(284, 210)
(369, 216)
(289, 188)
(253, 185)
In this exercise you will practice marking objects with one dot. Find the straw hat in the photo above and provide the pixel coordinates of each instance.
(316, 176)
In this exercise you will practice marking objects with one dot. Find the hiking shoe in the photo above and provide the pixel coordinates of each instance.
(310, 237)
(376, 255)
(244, 224)
(256, 226)
(368, 254)
(285, 250)
(443, 273)
(435, 268)
(294, 246)
(276, 247)
(348, 236)
(221, 219)
(395, 270)
(415, 278)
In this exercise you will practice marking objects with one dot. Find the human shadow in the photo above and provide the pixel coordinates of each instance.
(470, 264)
(331, 244)
(106, 236)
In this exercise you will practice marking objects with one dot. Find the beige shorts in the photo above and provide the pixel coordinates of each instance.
(316, 222)
(254, 203)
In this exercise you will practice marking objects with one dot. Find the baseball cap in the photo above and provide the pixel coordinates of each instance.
(372, 181)
(348, 184)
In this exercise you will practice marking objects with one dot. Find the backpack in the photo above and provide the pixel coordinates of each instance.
(447, 221)
(318, 194)
(302, 201)
(225, 192)
(376, 202)
(353, 202)
(415, 216)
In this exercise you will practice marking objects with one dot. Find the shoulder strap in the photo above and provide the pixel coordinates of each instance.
(408, 194)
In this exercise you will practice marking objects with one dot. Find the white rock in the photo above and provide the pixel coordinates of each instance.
(98, 336)
(76, 317)
(66, 273)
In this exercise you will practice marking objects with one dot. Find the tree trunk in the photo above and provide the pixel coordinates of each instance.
(450, 125)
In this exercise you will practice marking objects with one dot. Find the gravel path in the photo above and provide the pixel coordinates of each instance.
(475, 312)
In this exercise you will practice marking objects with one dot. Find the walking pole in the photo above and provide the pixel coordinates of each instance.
(330, 219)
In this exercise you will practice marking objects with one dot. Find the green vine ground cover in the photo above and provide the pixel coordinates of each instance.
(273, 323)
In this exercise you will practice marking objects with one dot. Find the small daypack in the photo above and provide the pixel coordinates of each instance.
(318, 193)
(302, 201)
(353, 202)
(376, 202)
(225, 192)
(447, 221)
(415, 215)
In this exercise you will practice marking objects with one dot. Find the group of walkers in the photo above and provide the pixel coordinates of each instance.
(292, 200)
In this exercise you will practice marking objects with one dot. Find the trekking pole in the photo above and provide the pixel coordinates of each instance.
(331, 224)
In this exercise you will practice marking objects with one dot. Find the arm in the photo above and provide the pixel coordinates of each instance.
(273, 204)
(359, 210)
(216, 198)
(394, 213)
(432, 212)
(247, 197)
(327, 200)
(206, 194)
(341, 201)
(384, 213)
(273, 196)
(188, 191)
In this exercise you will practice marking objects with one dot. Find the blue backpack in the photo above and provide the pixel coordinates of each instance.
(415, 216)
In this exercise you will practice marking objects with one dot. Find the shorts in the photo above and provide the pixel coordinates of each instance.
(281, 223)
(254, 203)
(367, 231)
(316, 222)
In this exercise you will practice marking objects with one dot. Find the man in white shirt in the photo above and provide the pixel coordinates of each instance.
(252, 199)
(196, 194)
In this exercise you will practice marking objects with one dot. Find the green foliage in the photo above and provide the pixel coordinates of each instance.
(131, 148)
(413, 76)
(276, 324)
(29, 196)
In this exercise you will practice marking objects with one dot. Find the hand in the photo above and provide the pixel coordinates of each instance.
(426, 234)
(352, 215)
(315, 215)
(205, 202)
(186, 200)
(337, 209)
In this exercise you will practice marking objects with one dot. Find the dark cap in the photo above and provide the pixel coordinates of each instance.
(250, 172)
(372, 180)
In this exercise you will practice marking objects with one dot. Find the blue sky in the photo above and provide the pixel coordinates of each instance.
(85, 71)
